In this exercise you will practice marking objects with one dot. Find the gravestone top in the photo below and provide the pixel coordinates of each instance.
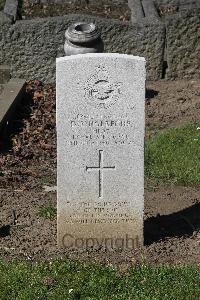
(99, 55)
(100, 138)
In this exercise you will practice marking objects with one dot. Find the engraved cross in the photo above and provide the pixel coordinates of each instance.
(100, 170)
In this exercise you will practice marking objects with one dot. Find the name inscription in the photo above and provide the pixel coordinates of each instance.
(112, 130)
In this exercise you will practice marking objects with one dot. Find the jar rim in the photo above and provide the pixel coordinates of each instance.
(82, 32)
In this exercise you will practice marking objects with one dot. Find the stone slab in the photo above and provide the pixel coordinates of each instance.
(48, 34)
(141, 9)
(183, 44)
(137, 13)
(100, 145)
(149, 8)
(4, 74)
(9, 97)
(10, 8)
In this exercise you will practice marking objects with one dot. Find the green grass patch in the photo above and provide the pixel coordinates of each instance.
(45, 180)
(47, 212)
(173, 156)
(73, 280)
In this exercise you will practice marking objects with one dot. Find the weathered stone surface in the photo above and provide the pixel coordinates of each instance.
(149, 9)
(137, 13)
(83, 38)
(100, 137)
(183, 45)
(10, 95)
(5, 24)
(10, 8)
(31, 46)
(141, 9)
(4, 74)
(4, 21)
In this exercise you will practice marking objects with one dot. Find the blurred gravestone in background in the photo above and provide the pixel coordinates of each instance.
(141, 9)
(165, 32)
(11, 8)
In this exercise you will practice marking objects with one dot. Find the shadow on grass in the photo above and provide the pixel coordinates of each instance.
(179, 224)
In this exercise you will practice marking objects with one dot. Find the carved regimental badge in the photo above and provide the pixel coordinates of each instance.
(100, 90)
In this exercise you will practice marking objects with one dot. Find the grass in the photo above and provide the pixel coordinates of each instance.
(73, 280)
(45, 180)
(47, 212)
(173, 156)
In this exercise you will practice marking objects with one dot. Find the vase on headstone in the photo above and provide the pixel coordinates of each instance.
(82, 38)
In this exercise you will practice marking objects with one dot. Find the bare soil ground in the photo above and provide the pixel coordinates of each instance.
(104, 9)
(28, 164)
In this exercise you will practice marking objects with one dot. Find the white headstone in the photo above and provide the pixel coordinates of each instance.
(100, 142)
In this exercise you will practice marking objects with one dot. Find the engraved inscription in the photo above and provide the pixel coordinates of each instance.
(100, 90)
(111, 130)
(100, 212)
(100, 168)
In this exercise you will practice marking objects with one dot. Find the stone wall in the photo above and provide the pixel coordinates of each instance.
(183, 45)
(31, 46)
